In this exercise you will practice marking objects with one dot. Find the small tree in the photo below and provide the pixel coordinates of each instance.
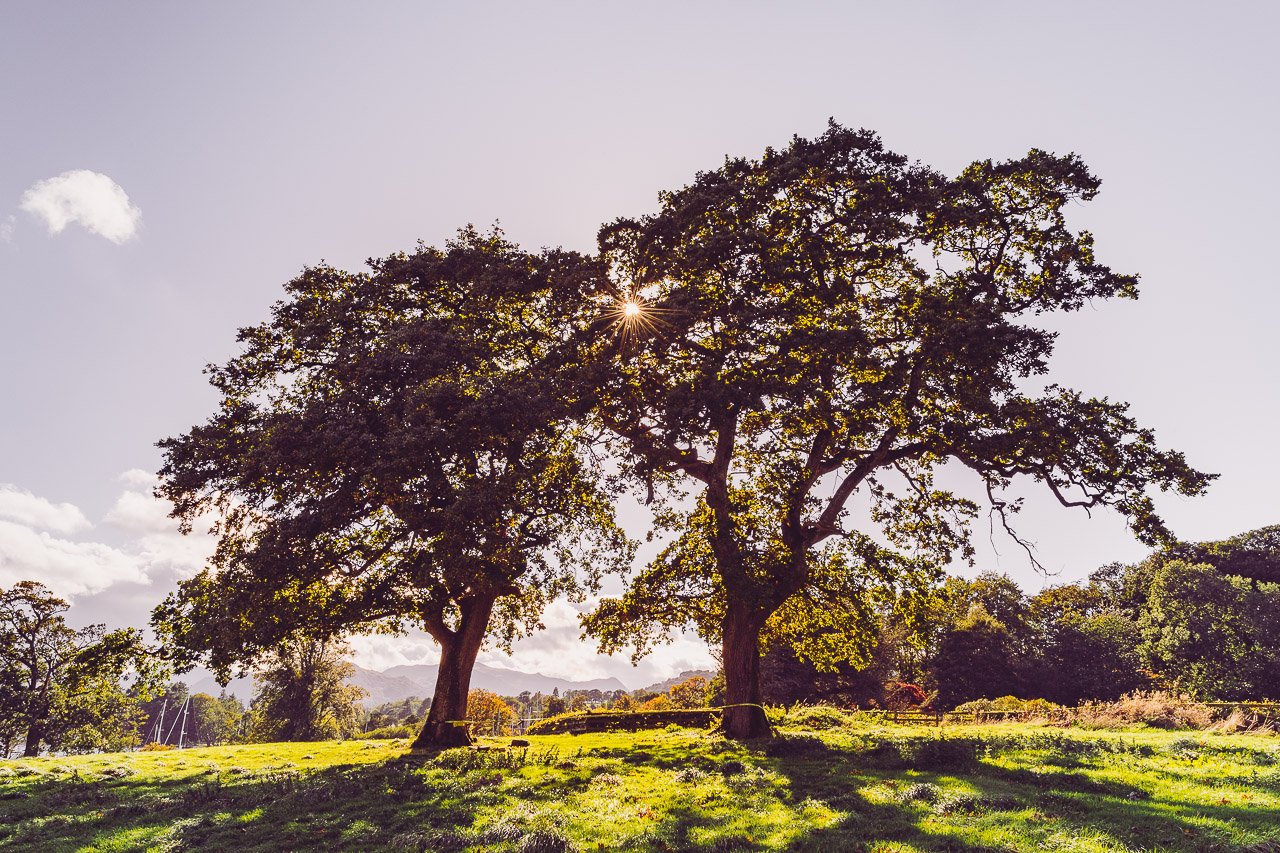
(975, 661)
(70, 690)
(489, 714)
(216, 719)
(690, 693)
(661, 702)
(903, 696)
(303, 694)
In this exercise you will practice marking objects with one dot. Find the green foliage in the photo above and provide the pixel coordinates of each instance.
(623, 721)
(391, 732)
(1254, 555)
(217, 719)
(815, 717)
(1213, 635)
(830, 320)
(1011, 705)
(303, 693)
(70, 690)
(975, 660)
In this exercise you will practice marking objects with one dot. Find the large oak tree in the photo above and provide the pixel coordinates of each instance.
(831, 321)
(393, 448)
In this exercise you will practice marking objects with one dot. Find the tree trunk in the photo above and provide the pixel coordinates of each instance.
(744, 716)
(446, 721)
(34, 736)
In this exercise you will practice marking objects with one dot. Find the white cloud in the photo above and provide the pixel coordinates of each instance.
(137, 511)
(92, 199)
(25, 508)
(68, 568)
(6, 229)
(383, 651)
(149, 541)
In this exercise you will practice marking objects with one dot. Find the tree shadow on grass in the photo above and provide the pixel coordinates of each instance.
(878, 795)
(1044, 799)
(337, 807)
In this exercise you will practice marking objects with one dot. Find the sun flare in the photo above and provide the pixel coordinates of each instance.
(633, 316)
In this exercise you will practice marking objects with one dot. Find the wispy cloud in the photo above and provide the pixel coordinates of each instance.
(91, 199)
(6, 229)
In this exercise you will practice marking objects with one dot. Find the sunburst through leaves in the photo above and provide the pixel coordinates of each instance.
(633, 317)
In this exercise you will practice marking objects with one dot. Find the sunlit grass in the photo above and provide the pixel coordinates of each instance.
(856, 787)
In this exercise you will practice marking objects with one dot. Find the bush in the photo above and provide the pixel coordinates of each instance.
(1155, 708)
(392, 732)
(1011, 707)
(817, 717)
(903, 696)
(921, 792)
(623, 721)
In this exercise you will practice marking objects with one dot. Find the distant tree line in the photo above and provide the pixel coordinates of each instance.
(1202, 619)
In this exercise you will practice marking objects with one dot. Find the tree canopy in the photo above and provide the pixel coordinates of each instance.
(392, 448)
(832, 320)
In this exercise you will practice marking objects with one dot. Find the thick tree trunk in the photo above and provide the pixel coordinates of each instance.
(446, 721)
(34, 736)
(744, 716)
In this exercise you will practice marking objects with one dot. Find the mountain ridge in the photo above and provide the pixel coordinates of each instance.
(418, 680)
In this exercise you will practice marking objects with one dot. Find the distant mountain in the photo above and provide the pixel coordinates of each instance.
(401, 682)
(664, 686)
(504, 682)
(383, 688)
(241, 688)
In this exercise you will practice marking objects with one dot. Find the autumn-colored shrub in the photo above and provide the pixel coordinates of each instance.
(903, 696)
(690, 693)
(661, 702)
(489, 714)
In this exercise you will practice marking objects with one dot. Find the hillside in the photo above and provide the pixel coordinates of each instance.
(401, 682)
(861, 786)
(664, 686)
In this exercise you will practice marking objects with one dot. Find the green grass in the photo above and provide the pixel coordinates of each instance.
(856, 787)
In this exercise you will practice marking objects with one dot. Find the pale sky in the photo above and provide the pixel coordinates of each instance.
(165, 168)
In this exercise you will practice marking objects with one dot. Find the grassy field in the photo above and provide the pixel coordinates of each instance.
(859, 787)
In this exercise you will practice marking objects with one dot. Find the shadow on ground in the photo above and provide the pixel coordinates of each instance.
(890, 794)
